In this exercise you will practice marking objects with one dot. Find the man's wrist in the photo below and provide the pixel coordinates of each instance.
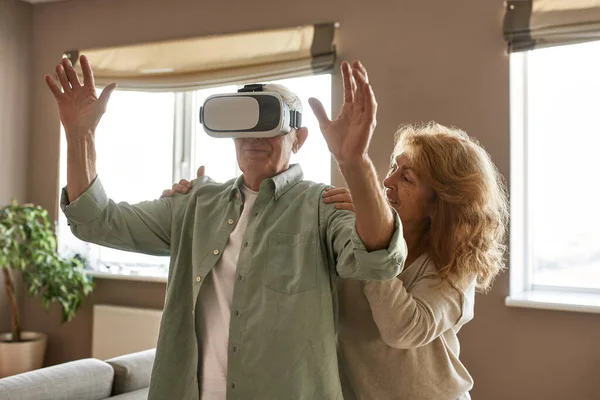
(79, 134)
(80, 139)
(352, 164)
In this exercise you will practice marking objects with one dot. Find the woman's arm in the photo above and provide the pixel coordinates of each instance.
(412, 319)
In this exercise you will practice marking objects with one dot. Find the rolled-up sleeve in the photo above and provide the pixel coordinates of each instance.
(349, 253)
(144, 227)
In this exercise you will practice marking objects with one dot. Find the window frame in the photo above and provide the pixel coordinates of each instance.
(523, 292)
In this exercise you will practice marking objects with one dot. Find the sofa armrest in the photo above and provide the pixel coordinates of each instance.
(132, 371)
(87, 379)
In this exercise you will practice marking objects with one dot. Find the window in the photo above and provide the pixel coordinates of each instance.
(555, 142)
(147, 141)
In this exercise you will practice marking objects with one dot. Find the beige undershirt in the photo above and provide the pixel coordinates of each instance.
(214, 303)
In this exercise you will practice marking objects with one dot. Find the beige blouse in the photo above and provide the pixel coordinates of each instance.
(398, 337)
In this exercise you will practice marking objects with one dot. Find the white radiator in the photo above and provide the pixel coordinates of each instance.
(123, 330)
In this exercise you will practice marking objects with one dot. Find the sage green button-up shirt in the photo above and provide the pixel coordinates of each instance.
(282, 334)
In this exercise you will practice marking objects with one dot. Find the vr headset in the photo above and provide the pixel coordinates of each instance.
(249, 113)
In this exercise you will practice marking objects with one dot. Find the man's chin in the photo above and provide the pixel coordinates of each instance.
(256, 161)
(254, 165)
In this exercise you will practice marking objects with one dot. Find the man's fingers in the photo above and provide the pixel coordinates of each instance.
(53, 86)
(167, 193)
(62, 78)
(88, 75)
(360, 77)
(359, 66)
(71, 74)
(349, 87)
(319, 111)
(359, 98)
(105, 95)
(371, 104)
(366, 97)
(362, 93)
(200, 171)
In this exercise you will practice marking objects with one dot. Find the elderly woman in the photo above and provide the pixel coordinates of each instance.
(398, 338)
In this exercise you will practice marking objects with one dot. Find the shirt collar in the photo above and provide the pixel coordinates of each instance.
(276, 185)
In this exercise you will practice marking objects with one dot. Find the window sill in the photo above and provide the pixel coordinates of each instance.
(558, 301)
(127, 277)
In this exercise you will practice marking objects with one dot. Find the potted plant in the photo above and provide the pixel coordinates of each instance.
(28, 244)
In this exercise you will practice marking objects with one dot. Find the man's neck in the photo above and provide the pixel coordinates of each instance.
(254, 180)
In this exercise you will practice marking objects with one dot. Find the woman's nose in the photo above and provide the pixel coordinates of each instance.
(386, 180)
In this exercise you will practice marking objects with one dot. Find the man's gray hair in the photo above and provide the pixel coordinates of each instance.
(290, 98)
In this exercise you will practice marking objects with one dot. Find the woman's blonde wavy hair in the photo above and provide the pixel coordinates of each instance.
(470, 217)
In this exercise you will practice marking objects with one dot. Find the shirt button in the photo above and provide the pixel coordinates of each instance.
(245, 244)
(215, 252)
(230, 221)
(236, 313)
(198, 278)
(235, 348)
(256, 214)
(232, 385)
(240, 278)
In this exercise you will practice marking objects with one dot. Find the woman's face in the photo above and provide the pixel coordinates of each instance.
(406, 193)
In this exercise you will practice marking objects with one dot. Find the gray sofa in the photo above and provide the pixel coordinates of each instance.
(121, 378)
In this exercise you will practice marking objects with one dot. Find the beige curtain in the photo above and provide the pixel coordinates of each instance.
(531, 24)
(214, 60)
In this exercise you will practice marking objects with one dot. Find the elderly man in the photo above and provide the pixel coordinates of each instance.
(250, 310)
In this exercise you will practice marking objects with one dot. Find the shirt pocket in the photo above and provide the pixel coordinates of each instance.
(292, 262)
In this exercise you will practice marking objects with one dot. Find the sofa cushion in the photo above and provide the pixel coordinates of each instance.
(132, 371)
(141, 394)
(87, 379)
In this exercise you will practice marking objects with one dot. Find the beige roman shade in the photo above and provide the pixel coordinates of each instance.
(530, 24)
(214, 60)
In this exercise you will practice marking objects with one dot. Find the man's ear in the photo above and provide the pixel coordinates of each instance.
(301, 135)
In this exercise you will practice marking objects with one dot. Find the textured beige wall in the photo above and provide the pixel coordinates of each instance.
(442, 60)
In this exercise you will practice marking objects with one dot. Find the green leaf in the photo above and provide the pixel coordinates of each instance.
(28, 242)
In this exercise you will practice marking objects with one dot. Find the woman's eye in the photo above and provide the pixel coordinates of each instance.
(405, 177)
